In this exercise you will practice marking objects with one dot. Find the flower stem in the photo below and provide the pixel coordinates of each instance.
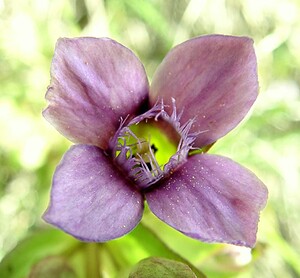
(93, 260)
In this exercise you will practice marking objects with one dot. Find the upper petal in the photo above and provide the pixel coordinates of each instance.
(213, 79)
(211, 198)
(94, 82)
(90, 199)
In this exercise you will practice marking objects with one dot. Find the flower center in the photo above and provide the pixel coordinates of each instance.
(145, 151)
(152, 142)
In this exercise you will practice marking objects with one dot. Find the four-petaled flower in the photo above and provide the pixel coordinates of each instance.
(99, 96)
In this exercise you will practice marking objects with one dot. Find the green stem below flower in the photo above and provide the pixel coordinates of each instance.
(93, 260)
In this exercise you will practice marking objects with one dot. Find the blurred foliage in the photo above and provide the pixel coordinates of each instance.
(267, 142)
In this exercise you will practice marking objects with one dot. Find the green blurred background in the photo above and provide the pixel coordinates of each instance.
(267, 142)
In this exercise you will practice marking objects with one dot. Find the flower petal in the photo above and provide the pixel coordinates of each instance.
(213, 79)
(211, 198)
(90, 199)
(94, 82)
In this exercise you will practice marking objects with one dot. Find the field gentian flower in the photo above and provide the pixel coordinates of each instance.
(99, 98)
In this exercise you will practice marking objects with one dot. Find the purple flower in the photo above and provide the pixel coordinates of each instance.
(100, 99)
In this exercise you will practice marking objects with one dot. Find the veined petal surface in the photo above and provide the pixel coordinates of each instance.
(213, 80)
(211, 198)
(90, 199)
(94, 82)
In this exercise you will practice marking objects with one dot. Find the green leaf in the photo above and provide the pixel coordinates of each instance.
(160, 268)
(52, 266)
(142, 243)
(27, 253)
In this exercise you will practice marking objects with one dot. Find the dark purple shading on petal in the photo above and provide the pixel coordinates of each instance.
(90, 199)
(94, 82)
(213, 79)
(211, 198)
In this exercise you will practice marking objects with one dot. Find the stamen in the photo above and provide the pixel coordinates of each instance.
(136, 155)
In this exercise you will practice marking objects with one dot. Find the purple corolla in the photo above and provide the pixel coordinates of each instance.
(100, 99)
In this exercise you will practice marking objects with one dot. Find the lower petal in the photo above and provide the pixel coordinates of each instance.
(211, 198)
(90, 199)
